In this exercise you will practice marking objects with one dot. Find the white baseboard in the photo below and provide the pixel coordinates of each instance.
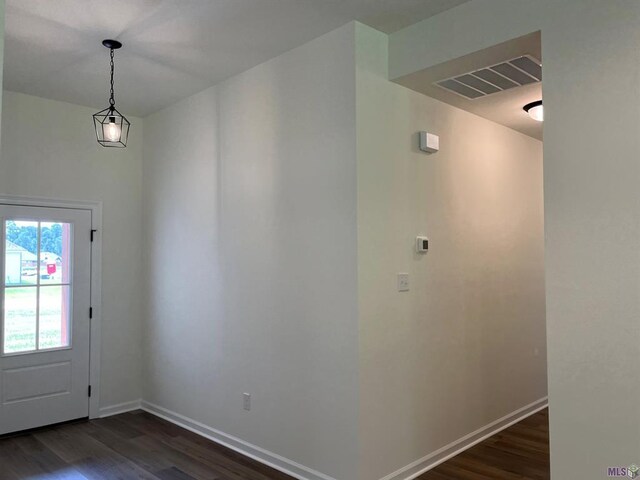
(301, 472)
(120, 408)
(259, 454)
(443, 454)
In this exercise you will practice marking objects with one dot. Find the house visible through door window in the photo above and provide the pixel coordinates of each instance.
(37, 286)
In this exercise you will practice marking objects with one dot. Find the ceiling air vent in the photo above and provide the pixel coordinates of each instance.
(503, 76)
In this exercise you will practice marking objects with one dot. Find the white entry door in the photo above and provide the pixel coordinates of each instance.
(44, 319)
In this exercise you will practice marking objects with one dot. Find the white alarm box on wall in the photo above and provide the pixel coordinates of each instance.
(429, 142)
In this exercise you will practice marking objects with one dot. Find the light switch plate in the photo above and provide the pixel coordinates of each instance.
(403, 282)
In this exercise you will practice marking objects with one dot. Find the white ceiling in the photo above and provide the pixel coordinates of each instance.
(172, 48)
(503, 107)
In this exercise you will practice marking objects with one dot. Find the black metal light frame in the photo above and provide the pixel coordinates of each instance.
(529, 106)
(110, 116)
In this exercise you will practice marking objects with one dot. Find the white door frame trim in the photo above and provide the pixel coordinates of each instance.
(96, 280)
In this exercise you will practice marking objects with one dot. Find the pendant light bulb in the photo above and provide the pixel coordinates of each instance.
(112, 130)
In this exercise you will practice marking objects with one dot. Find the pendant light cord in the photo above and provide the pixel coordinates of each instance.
(112, 100)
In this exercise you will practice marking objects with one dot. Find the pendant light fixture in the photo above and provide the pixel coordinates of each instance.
(112, 128)
(535, 110)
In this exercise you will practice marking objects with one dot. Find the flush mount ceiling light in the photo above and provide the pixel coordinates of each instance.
(535, 110)
(112, 128)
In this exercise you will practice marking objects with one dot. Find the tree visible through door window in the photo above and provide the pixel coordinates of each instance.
(37, 286)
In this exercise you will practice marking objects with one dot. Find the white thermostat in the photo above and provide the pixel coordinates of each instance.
(429, 142)
(422, 244)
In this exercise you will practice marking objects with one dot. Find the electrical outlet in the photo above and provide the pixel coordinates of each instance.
(246, 400)
(403, 282)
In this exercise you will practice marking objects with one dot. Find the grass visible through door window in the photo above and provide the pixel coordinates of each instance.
(19, 321)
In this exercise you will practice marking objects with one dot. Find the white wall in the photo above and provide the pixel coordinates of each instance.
(2, 9)
(49, 150)
(466, 346)
(250, 222)
(591, 175)
(183, 315)
(259, 175)
(261, 257)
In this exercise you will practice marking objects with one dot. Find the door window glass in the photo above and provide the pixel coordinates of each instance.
(36, 291)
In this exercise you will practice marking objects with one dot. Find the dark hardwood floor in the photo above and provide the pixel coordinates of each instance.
(521, 452)
(134, 445)
(138, 445)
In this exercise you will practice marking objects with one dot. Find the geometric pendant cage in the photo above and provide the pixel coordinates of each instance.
(112, 128)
